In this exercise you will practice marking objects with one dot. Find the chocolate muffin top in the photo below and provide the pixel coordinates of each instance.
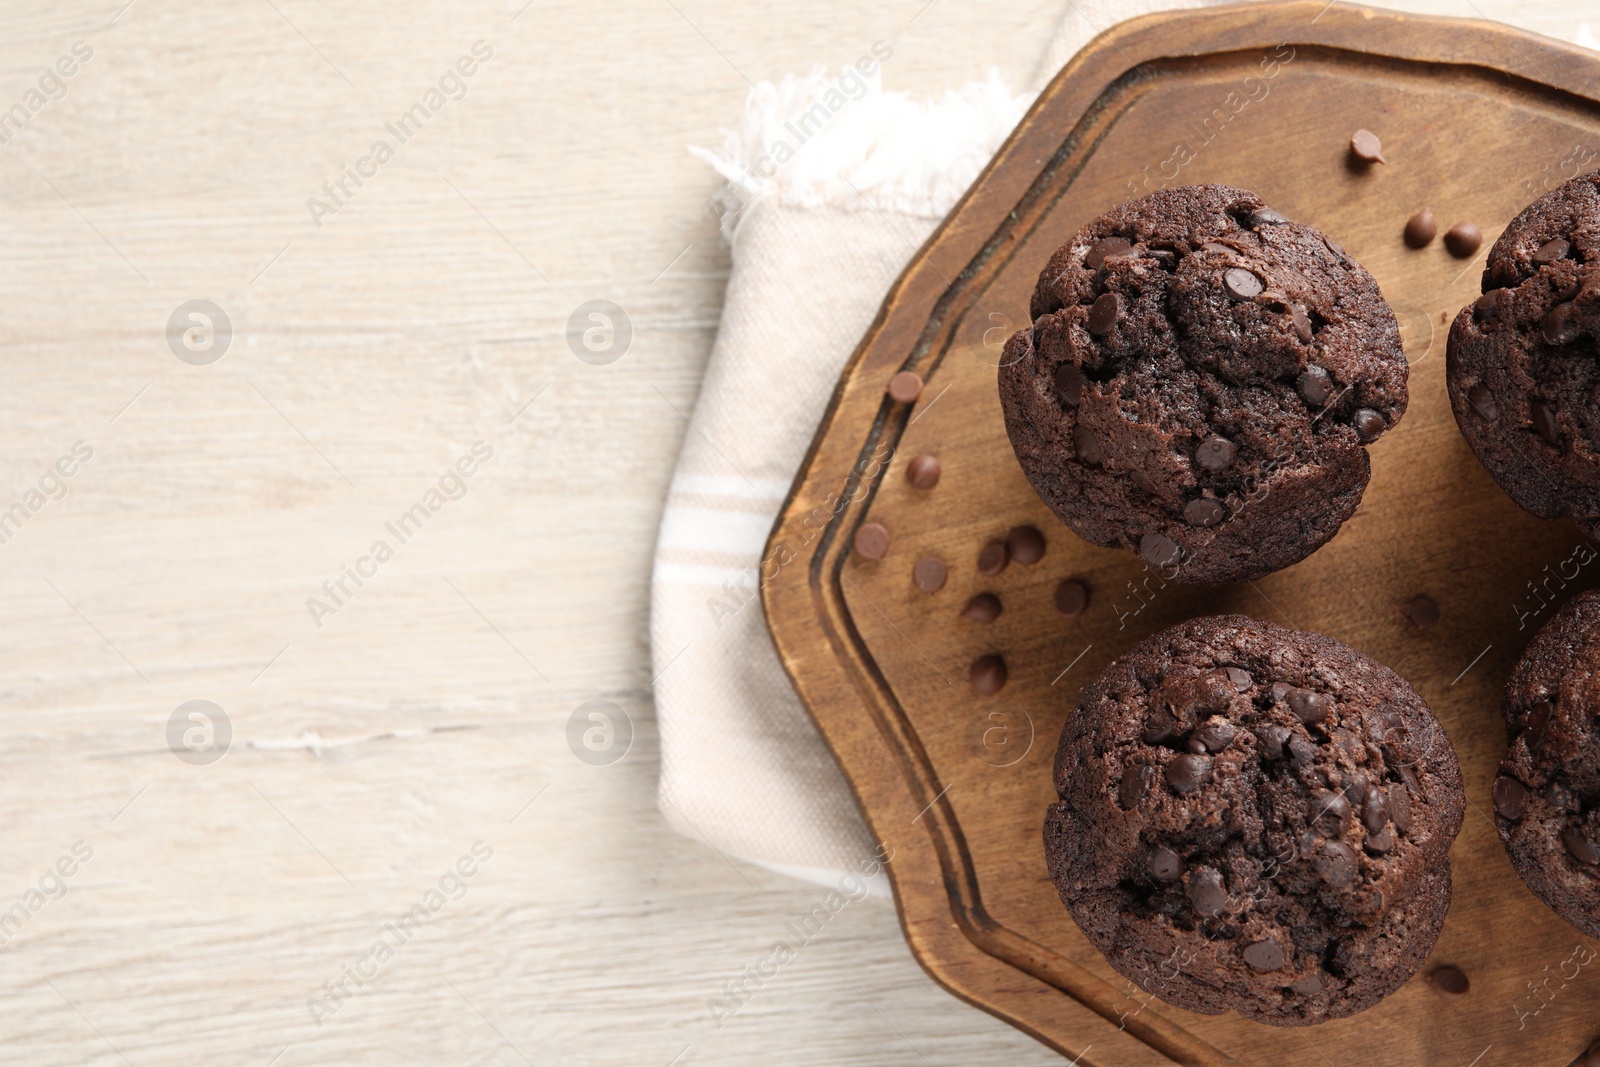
(1200, 382)
(1547, 795)
(1522, 372)
(1255, 819)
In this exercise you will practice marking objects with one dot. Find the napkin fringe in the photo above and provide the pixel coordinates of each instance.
(812, 141)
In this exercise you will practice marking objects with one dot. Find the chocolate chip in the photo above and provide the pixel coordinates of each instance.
(923, 471)
(1159, 725)
(1084, 441)
(1136, 782)
(929, 574)
(1369, 425)
(1279, 691)
(1365, 146)
(1241, 284)
(1560, 797)
(1510, 797)
(1106, 246)
(1072, 598)
(985, 607)
(1538, 722)
(1069, 383)
(1420, 228)
(1207, 893)
(988, 674)
(1314, 386)
(1301, 322)
(1582, 849)
(1213, 736)
(1449, 980)
(1203, 511)
(1463, 239)
(1165, 865)
(1560, 326)
(1215, 453)
(1550, 251)
(1400, 808)
(1103, 314)
(1159, 550)
(1272, 739)
(1413, 784)
(1302, 751)
(1336, 863)
(1263, 955)
(1265, 216)
(871, 540)
(1544, 421)
(1487, 307)
(1309, 706)
(1188, 772)
(1355, 790)
(1239, 679)
(1144, 482)
(1483, 403)
(905, 387)
(992, 558)
(1310, 984)
(1026, 545)
(1336, 248)
(1375, 810)
(1421, 610)
(1328, 813)
(1380, 842)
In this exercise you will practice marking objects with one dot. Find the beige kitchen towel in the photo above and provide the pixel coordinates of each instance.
(832, 183)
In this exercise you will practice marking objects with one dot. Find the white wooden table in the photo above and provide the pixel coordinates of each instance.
(228, 912)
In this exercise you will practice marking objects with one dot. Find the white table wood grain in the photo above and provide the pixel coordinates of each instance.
(427, 712)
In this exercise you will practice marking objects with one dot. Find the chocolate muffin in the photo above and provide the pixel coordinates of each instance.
(1255, 819)
(1547, 795)
(1521, 364)
(1200, 383)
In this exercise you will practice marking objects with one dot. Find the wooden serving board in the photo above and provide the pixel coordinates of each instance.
(1476, 120)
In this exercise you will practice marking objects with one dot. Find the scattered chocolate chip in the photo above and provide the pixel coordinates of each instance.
(1560, 797)
(923, 471)
(985, 607)
(1482, 402)
(1266, 216)
(1103, 314)
(1336, 248)
(1550, 251)
(1188, 772)
(1560, 326)
(1072, 598)
(992, 558)
(1582, 849)
(1413, 784)
(1069, 383)
(1463, 239)
(1380, 842)
(988, 674)
(1302, 751)
(1136, 782)
(1106, 246)
(1301, 322)
(1538, 722)
(1204, 511)
(1421, 610)
(1328, 813)
(1487, 307)
(1215, 453)
(1400, 807)
(1158, 550)
(1335, 863)
(1272, 739)
(1158, 726)
(929, 574)
(1264, 955)
(1375, 810)
(1449, 980)
(1365, 146)
(1310, 984)
(1314, 386)
(1510, 797)
(871, 540)
(1310, 706)
(1369, 425)
(1213, 736)
(1240, 679)
(1420, 228)
(1544, 421)
(1165, 865)
(1207, 894)
(1279, 691)
(1084, 441)
(905, 387)
(1355, 789)
(1144, 482)
(1026, 545)
(1241, 284)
